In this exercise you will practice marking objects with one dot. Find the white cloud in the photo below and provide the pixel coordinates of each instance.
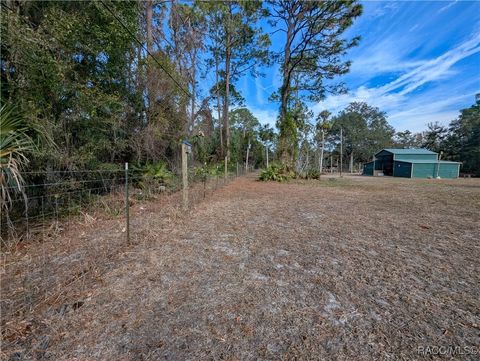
(265, 116)
(448, 6)
(385, 56)
(414, 112)
(263, 93)
(414, 27)
(424, 110)
(259, 91)
(382, 8)
(372, 96)
(434, 69)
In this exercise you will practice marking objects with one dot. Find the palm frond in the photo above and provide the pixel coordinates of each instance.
(16, 143)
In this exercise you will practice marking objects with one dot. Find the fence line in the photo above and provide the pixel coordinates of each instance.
(61, 263)
(38, 198)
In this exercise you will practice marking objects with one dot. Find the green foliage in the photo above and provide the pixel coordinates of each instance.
(152, 178)
(407, 139)
(157, 171)
(434, 137)
(216, 169)
(67, 68)
(288, 139)
(18, 140)
(202, 172)
(246, 131)
(237, 45)
(267, 134)
(243, 119)
(276, 172)
(307, 70)
(365, 130)
(74, 70)
(462, 144)
(210, 170)
(311, 173)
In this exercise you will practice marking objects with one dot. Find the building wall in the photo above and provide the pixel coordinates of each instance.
(402, 169)
(423, 170)
(416, 156)
(447, 170)
(368, 168)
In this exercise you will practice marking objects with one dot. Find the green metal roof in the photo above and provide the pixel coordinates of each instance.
(408, 151)
(426, 161)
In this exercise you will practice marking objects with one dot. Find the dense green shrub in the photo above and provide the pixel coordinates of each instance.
(157, 171)
(275, 172)
(311, 173)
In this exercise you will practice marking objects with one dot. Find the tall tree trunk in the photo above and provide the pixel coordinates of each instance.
(248, 153)
(219, 110)
(284, 149)
(320, 160)
(139, 72)
(194, 90)
(351, 163)
(266, 151)
(226, 123)
(307, 160)
(148, 81)
(149, 10)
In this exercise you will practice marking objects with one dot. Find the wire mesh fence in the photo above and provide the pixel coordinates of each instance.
(51, 196)
(67, 229)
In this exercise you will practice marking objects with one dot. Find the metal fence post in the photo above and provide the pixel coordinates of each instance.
(127, 203)
(184, 176)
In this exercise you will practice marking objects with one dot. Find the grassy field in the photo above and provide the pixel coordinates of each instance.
(358, 268)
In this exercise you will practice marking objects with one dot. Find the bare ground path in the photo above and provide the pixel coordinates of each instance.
(356, 269)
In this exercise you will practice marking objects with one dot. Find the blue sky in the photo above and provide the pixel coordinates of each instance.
(418, 61)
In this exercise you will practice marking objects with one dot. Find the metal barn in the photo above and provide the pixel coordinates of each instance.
(411, 163)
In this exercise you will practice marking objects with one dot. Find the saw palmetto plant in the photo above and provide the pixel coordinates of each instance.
(18, 139)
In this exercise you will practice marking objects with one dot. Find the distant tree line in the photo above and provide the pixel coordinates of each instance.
(115, 81)
(91, 84)
(459, 141)
(365, 131)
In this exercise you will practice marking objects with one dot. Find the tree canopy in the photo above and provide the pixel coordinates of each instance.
(365, 130)
(312, 54)
(108, 82)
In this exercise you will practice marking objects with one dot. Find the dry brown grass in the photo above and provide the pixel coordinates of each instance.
(349, 269)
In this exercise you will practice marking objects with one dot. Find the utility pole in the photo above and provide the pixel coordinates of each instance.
(320, 161)
(341, 151)
(248, 153)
